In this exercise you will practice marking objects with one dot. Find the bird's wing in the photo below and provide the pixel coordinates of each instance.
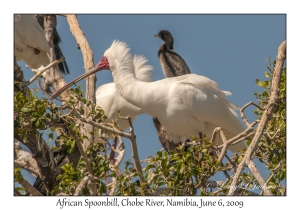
(172, 64)
(31, 32)
(210, 87)
(105, 97)
(206, 102)
(108, 98)
(143, 72)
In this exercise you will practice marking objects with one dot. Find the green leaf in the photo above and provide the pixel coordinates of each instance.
(159, 154)
(19, 188)
(37, 123)
(267, 74)
(163, 163)
(149, 166)
(102, 188)
(161, 184)
(50, 136)
(33, 119)
(26, 109)
(263, 84)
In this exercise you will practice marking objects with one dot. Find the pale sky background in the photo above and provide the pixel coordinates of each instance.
(229, 49)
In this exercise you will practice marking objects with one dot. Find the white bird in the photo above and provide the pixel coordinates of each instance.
(108, 98)
(185, 105)
(30, 42)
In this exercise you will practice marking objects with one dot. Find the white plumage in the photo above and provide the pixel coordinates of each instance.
(108, 98)
(30, 43)
(185, 105)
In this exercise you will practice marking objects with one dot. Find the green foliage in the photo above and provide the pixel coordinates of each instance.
(175, 170)
(126, 184)
(17, 174)
(272, 147)
(71, 177)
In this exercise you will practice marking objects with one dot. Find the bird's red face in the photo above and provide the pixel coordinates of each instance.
(103, 64)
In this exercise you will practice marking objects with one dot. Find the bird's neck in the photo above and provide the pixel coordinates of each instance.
(129, 87)
(168, 45)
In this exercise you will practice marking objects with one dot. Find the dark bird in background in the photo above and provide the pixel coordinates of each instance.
(63, 67)
(172, 65)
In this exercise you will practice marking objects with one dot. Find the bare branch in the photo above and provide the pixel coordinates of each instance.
(23, 159)
(28, 187)
(101, 126)
(135, 154)
(259, 177)
(62, 194)
(41, 71)
(82, 184)
(243, 116)
(88, 59)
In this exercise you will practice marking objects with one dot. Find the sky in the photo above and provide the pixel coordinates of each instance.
(229, 49)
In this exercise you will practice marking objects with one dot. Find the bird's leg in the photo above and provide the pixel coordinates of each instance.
(112, 154)
(200, 136)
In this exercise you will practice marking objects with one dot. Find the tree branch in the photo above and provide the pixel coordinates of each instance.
(23, 159)
(269, 109)
(82, 184)
(41, 71)
(28, 187)
(101, 126)
(243, 116)
(135, 154)
(79, 145)
(88, 59)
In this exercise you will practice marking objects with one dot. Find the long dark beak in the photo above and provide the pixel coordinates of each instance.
(88, 73)
(156, 36)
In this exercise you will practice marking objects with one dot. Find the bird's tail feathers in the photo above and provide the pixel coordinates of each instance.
(227, 93)
(230, 104)
(233, 112)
